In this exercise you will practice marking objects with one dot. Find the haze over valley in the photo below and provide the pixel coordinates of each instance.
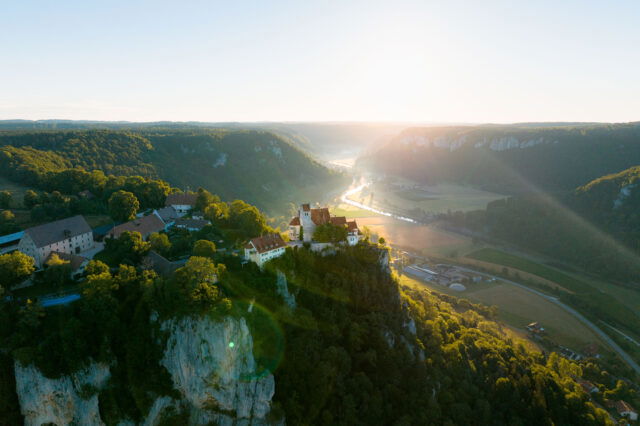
(285, 213)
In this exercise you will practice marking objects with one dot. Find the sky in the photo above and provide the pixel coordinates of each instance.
(423, 61)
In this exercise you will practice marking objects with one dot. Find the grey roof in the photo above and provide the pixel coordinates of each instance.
(192, 223)
(159, 264)
(181, 199)
(52, 232)
(167, 214)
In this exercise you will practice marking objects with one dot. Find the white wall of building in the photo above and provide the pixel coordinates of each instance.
(72, 245)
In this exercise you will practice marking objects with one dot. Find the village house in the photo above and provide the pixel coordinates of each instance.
(262, 249)
(625, 410)
(168, 215)
(145, 225)
(71, 236)
(182, 203)
(587, 386)
(308, 219)
(76, 263)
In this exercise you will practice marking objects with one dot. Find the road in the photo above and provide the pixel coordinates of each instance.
(625, 356)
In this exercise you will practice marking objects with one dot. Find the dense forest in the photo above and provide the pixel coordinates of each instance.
(510, 159)
(595, 227)
(324, 140)
(356, 348)
(262, 167)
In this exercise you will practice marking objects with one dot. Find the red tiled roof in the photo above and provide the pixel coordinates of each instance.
(623, 407)
(181, 199)
(339, 220)
(144, 225)
(320, 216)
(352, 226)
(267, 242)
(295, 221)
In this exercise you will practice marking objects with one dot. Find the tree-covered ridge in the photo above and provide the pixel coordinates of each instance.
(119, 153)
(355, 349)
(371, 353)
(262, 167)
(614, 202)
(510, 158)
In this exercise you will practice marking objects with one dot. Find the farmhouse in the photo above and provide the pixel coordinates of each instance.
(145, 225)
(625, 410)
(305, 223)
(262, 249)
(183, 203)
(71, 236)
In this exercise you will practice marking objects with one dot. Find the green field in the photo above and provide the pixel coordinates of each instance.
(432, 199)
(518, 307)
(501, 258)
(17, 191)
(620, 303)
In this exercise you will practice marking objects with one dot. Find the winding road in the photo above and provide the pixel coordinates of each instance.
(597, 330)
(625, 356)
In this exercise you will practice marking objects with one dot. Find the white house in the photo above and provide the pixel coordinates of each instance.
(182, 203)
(71, 236)
(625, 410)
(262, 249)
(308, 219)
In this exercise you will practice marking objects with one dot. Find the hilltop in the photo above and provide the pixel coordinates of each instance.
(510, 159)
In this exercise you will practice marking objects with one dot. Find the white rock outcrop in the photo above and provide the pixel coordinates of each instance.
(211, 364)
(283, 290)
(68, 400)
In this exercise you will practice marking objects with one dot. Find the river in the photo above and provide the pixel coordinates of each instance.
(354, 190)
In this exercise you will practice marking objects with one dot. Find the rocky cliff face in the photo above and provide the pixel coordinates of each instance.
(211, 364)
(452, 143)
(68, 400)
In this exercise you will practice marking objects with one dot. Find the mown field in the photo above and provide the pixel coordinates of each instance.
(502, 258)
(17, 191)
(425, 239)
(432, 199)
(620, 302)
(518, 307)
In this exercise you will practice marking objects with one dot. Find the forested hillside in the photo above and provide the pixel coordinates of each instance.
(255, 165)
(345, 346)
(510, 159)
(324, 140)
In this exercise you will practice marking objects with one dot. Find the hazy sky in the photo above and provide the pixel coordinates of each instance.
(432, 61)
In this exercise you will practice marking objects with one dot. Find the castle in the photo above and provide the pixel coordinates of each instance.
(308, 219)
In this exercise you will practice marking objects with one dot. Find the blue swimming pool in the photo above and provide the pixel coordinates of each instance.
(63, 300)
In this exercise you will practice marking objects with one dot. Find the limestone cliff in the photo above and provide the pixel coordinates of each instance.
(211, 364)
(68, 400)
